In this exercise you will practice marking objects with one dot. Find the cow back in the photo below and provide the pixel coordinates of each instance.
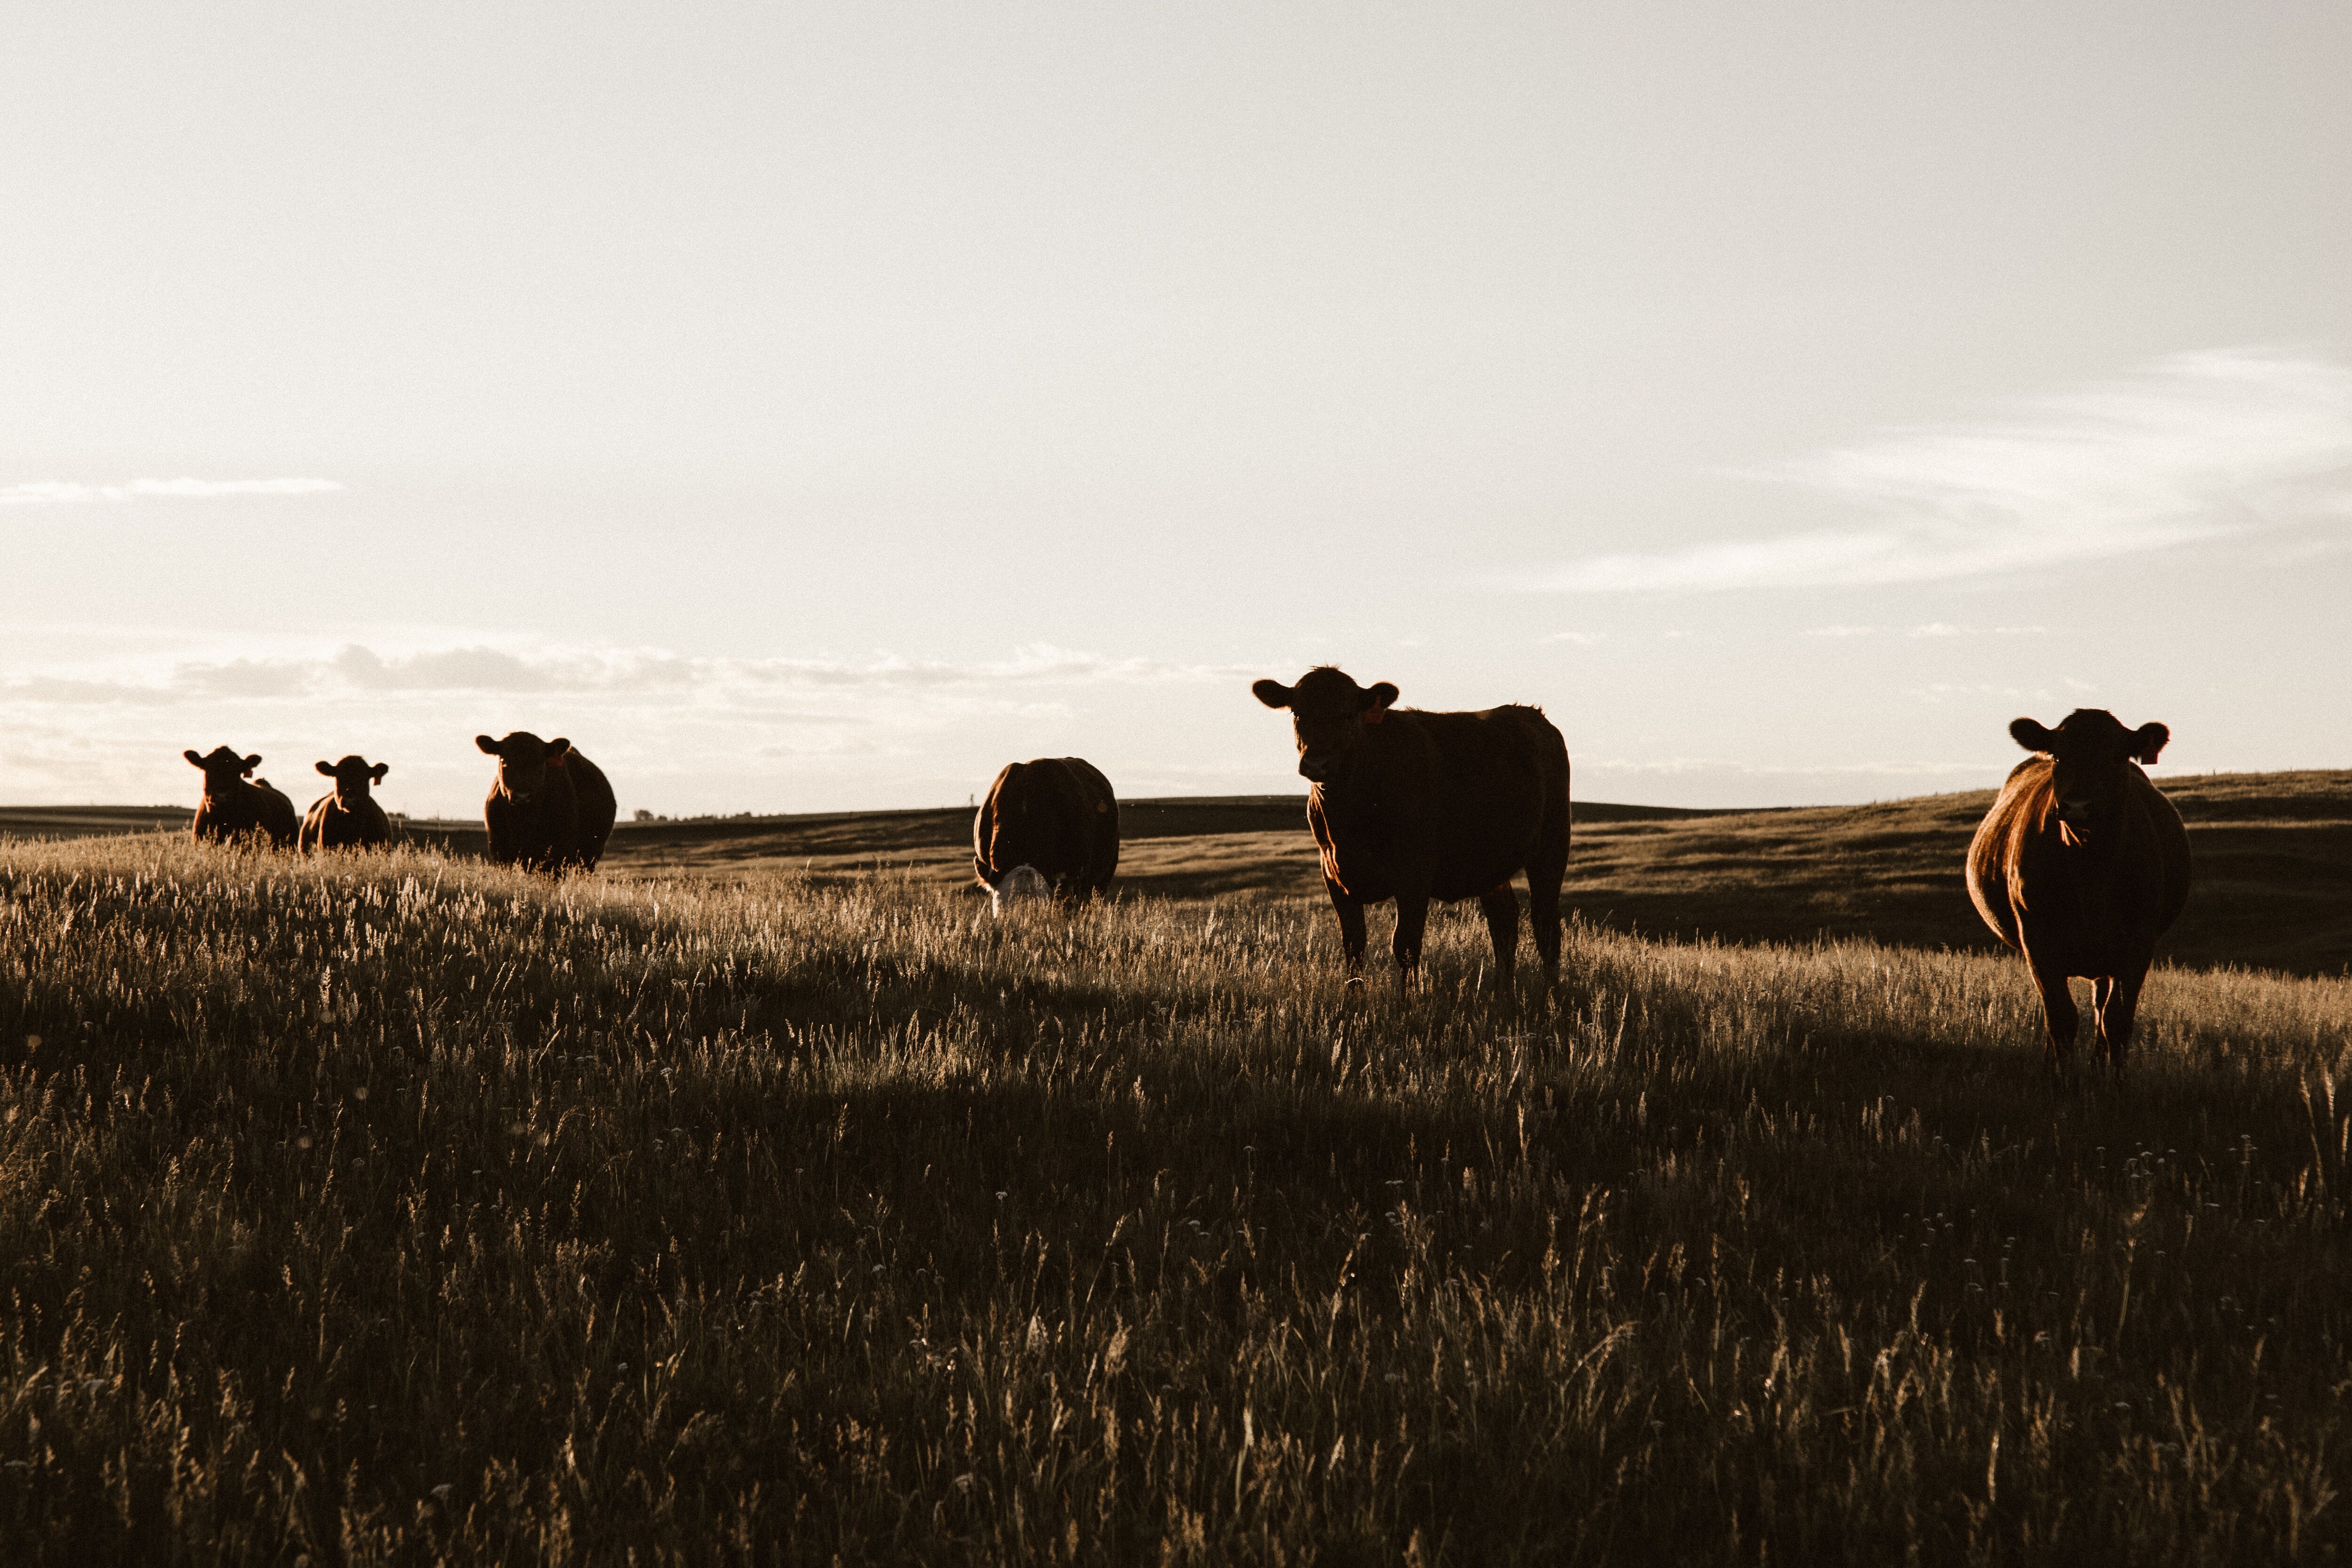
(1057, 814)
(332, 825)
(249, 808)
(594, 808)
(1451, 804)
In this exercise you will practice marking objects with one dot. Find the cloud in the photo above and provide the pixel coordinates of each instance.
(2200, 446)
(1932, 629)
(694, 732)
(1582, 639)
(54, 492)
(622, 675)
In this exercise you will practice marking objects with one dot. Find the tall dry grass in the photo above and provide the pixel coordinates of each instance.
(393, 1208)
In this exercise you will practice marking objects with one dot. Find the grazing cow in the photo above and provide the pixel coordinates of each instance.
(231, 806)
(549, 808)
(347, 817)
(2081, 865)
(1055, 817)
(1414, 806)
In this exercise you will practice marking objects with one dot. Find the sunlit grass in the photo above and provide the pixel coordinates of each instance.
(386, 1207)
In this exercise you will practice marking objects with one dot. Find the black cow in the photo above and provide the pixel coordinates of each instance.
(233, 807)
(1057, 817)
(550, 809)
(1414, 806)
(347, 817)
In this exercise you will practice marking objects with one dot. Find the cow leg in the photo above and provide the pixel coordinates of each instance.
(1412, 918)
(2059, 1014)
(2118, 1008)
(1544, 877)
(1350, 911)
(2103, 990)
(1502, 908)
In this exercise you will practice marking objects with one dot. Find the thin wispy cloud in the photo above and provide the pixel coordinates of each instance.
(1670, 767)
(1932, 629)
(67, 493)
(2200, 446)
(620, 674)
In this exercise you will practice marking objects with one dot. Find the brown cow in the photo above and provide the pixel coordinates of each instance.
(1054, 818)
(549, 808)
(347, 817)
(231, 806)
(1414, 806)
(2081, 865)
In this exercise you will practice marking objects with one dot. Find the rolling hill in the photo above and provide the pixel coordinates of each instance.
(2273, 886)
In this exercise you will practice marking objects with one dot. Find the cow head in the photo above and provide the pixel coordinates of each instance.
(524, 760)
(1021, 885)
(352, 776)
(2091, 754)
(223, 768)
(1328, 712)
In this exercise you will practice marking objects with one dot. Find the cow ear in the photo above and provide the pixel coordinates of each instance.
(253, 762)
(557, 749)
(193, 761)
(2030, 735)
(2147, 741)
(379, 770)
(487, 744)
(1381, 694)
(1273, 694)
(328, 768)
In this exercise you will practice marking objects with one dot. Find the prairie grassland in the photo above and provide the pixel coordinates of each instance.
(395, 1208)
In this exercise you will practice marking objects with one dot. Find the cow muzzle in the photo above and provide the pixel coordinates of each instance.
(1314, 770)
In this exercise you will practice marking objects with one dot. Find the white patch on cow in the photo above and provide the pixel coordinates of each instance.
(1022, 884)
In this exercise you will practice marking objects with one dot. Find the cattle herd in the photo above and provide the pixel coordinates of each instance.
(2079, 865)
(550, 809)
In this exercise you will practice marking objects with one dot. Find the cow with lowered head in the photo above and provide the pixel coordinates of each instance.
(1414, 806)
(233, 807)
(550, 809)
(2081, 865)
(347, 817)
(1050, 825)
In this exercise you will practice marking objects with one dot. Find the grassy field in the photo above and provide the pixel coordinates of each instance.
(398, 1208)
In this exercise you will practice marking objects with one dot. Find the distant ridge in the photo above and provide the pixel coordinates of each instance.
(1160, 816)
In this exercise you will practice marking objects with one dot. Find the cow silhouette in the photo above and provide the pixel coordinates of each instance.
(347, 817)
(1414, 806)
(233, 807)
(1053, 817)
(2081, 865)
(550, 809)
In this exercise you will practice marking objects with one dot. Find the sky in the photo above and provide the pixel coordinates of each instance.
(810, 408)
